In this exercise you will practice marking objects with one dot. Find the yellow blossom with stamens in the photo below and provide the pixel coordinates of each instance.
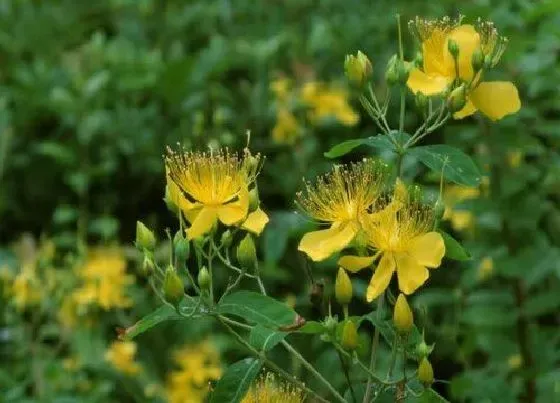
(402, 235)
(340, 198)
(441, 69)
(269, 390)
(213, 186)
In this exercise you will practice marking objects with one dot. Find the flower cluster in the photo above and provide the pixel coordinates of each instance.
(269, 390)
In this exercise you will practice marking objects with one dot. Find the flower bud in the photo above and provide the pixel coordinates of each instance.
(403, 70)
(457, 99)
(226, 239)
(392, 73)
(349, 340)
(477, 60)
(181, 247)
(421, 101)
(204, 278)
(357, 68)
(247, 253)
(343, 287)
(148, 263)
(330, 323)
(145, 238)
(453, 48)
(425, 372)
(488, 61)
(172, 286)
(402, 315)
(253, 199)
(423, 350)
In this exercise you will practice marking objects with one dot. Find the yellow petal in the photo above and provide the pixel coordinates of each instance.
(410, 273)
(468, 40)
(467, 110)
(255, 221)
(203, 223)
(496, 99)
(433, 52)
(428, 249)
(382, 276)
(419, 81)
(355, 263)
(319, 245)
(236, 211)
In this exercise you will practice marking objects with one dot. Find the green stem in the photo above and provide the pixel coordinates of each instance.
(4, 145)
(347, 376)
(393, 357)
(374, 346)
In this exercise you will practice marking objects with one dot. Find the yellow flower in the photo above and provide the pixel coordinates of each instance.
(26, 287)
(340, 198)
(328, 102)
(441, 70)
(460, 219)
(211, 186)
(485, 268)
(197, 365)
(121, 355)
(281, 88)
(268, 390)
(104, 280)
(287, 128)
(403, 237)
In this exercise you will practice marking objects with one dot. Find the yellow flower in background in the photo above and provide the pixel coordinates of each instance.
(441, 69)
(485, 268)
(214, 186)
(197, 366)
(26, 288)
(287, 129)
(104, 280)
(325, 102)
(269, 390)
(403, 237)
(281, 88)
(121, 354)
(460, 219)
(340, 199)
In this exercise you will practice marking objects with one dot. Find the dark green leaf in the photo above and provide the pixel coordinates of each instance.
(457, 166)
(312, 327)
(234, 384)
(453, 249)
(380, 142)
(547, 302)
(258, 309)
(430, 396)
(263, 338)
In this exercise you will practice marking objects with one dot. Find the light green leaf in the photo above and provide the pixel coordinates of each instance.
(258, 309)
(453, 249)
(265, 339)
(431, 396)
(457, 166)
(312, 327)
(234, 384)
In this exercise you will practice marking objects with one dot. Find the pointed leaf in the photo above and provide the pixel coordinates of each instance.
(234, 384)
(453, 249)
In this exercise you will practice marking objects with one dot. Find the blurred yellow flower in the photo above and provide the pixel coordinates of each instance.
(211, 187)
(515, 158)
(104, 280)
(403, 237)
(441, 69)
(269, 390)
(340, 198)
(26, 288)
(515, 361)
(325, 102)
(121, 354)
(485, 268)
(197, 365)
(281, 89)
(287, 129)
(460, 219)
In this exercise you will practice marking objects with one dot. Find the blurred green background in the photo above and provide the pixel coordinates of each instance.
(91, 93)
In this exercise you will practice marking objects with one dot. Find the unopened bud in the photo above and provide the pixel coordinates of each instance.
(402, 315)
(181, 247)
(392, 73)
(453, 48)
(425, 372)
(204, 278)
(253, 199)
(145, 238)
(457, 99)
(226, 239)
(330, 323)
(349, 340)
(477, 60)
(357, 68)
(148, 263)
(423, 350)
(421, 101)
(172, 286)
(247, 253)
(403, 70)
(488, 61)
(343, 287)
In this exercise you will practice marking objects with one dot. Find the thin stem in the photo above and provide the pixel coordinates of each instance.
(347, 376)
(403, 89)
(227, 263)
(374, 346)
(259, 280)
(210, 259)
(380, 112)
(393, 357)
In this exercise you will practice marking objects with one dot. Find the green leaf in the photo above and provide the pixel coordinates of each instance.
(258, 309)
(162, 314)
(345, 147)
(431, 396)
(312, 327)
(265, 339)
(380, 142)
(453, 249)
(459, 167)
(234, 384)
(541, 304)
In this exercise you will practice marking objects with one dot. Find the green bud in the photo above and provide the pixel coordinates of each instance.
(403, 71)
(453, 48)
(181, 247)
(145, 238)
(349, 340)
(423, 350)
(392, 73)
(488, 61)
(357, 68)
(477, 60)
(204, 278)
(226, 239)
(253, 199)
(457, 98)
(148, 263)
(425, 372)
(402, 315)
(172, 207)
(421, 101)
(172, 286)
(330, 323)
(343, 287)
(247, 253)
